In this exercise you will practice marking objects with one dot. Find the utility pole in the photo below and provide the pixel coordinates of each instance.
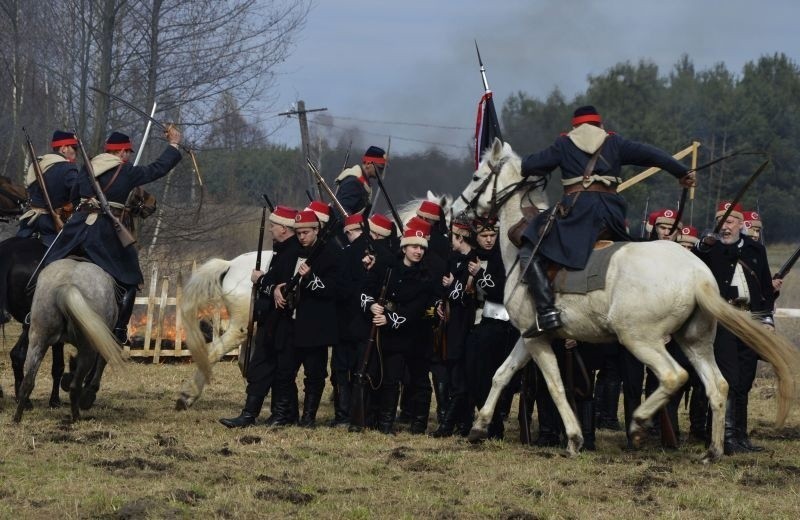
(301, 112)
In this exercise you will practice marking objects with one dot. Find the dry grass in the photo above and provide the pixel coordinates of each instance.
(134, 457)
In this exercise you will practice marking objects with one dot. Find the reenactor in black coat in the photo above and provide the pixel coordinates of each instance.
(492, 340)
(60, 175)
(741, 269)
(354, 183)
(457, 310)
(91, 234)
(314, 320)
(409, 294)
(265, 359)
(590, 204)
(353, 327)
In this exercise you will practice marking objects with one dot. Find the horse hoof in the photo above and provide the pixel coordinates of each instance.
(711, 456)
(55, 402)
(66, 381)
(477, 435)
(182, 404)
(88, 397)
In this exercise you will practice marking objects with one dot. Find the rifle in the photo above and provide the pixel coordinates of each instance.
(123, 234)
(738, 196)
(310, 198)
(344, 165)
(358, 405)
(37, 168)
(289, 290)
(370, 250)
(391, 206)
(324, 185)
(244, 362)
(787, 266)
(643, 233)
(269, 202)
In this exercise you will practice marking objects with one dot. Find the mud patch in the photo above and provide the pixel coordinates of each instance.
(422, 466)
(761, 479)
(225, 452)
(188, 497)
(249, 439)
(135, 510)
(179, 454)
(517, 514)
(60, 437)
(283, 480)
(95, 436)
(132, 462)
(792, 434)
(399, 453)
(285, 495)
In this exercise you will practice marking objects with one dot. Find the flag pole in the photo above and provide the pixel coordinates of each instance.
(483, 69)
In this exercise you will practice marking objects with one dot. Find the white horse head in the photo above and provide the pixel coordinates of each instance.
(499, 162)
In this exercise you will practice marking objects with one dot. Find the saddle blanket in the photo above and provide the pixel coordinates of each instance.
(593, 276)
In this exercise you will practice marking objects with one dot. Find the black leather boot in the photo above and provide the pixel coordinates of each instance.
(741, 425)
(442, 391)
(447, 427)
(608, 400)
(313, 396)
(698, 415)
(585, 412)
(389, 397)
(549, 423)
(731, 445)
(341, 406)
(548, 317)
(252, 407)
(284, 406)
(126, 303)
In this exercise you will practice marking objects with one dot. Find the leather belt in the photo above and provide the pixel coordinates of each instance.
(595, 186)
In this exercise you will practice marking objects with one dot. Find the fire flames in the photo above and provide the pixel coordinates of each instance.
(137, 326)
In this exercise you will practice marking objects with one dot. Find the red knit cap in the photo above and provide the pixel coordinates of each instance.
(461, 229)
(353, 222)
(752, 220)
(689, 234)
(429, 210)
(723, 207)
(283, 215)
(380, 225)
(413, 237)
(664, 216)
(322, 210)
(418, 223)
(306, 219)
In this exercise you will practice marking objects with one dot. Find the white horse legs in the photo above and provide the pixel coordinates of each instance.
(230, 339)
(517, 359)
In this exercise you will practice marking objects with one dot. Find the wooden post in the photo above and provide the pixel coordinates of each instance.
(151, 301)
(162, 306)
(178, 318)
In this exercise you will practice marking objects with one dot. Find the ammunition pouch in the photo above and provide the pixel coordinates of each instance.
(516, 231)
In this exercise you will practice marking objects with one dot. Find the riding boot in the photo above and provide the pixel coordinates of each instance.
(731, 445)
(341, 405)
(252, 407)
(585, 412)
(448, 425)
(442, 391)
(419, 422)
(405, 415)
(389, 397)
(126, 303)
(420, 411)
(741, 425)
(284, 407)
(607, 417)
(548, 317)
(698, 414)
(313, 396)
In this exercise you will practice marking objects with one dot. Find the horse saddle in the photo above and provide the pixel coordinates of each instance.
(590, 278)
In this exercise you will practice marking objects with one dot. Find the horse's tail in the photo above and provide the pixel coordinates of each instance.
(773, 347)
(71, 302)
(203, 288)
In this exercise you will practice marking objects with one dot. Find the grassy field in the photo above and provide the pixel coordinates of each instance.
(134, 457)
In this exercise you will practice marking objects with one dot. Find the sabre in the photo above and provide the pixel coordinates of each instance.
(739, 196)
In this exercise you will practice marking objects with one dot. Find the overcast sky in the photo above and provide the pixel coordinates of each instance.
(414, 61)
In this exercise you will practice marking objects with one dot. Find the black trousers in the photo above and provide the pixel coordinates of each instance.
(314, 361)
(263, 364)
(488, 345)
(395, 364)
(344, 361)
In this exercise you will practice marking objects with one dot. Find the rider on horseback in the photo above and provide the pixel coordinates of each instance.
(590, 160)
(60, 174)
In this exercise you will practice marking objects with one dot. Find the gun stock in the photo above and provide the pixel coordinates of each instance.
(40, 180)
(124, 236)
(358, 405)
(787, 266)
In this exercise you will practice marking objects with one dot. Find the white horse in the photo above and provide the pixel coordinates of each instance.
(653, 289)
(227, 283)
(74, 302)
(409, 210)
(216, 282)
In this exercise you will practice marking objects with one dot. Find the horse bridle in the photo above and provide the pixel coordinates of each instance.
(499, 198)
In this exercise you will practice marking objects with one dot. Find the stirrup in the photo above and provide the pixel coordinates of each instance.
(544, 323)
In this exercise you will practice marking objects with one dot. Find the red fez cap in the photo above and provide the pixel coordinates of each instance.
(461, 228)
(380, 225)
(413, 236)
(353, 221)
(586, 114)
(723, 207)
(689, 234)
(429, 210)
(61, 138)
(283, 215)
(418, 223)
(752, 219)
(306, 219)
(322, 210)
(118, 141)
(664, 216)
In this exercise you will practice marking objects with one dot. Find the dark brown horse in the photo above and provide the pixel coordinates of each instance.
(12, 198)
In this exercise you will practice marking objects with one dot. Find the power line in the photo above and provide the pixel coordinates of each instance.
(331, 125)
(403, 123)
